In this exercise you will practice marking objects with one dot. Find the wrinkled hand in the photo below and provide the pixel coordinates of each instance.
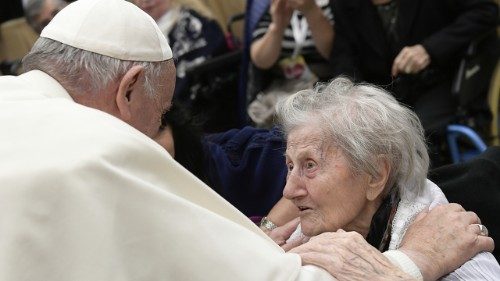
(410, 60)
(304, 6)
(281, 234)
(281, 13)
(347, 256)
(443, 239)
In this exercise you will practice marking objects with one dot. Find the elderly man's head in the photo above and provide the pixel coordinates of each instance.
(40, 12)
(349, 147)
(108, 64)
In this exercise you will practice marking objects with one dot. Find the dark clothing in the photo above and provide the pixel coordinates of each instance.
(193, 39)
(247, 167)
(363, 50)
(476, 186)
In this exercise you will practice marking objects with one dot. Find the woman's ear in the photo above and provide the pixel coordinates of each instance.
(377, 183)
(126, 90)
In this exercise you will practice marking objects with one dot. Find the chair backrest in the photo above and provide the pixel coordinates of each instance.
(476, 68)
(17, 38)
(454, 133)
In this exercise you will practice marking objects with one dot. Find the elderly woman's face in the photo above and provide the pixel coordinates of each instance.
(321, 184)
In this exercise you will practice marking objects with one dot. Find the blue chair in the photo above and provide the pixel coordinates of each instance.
(454, 132)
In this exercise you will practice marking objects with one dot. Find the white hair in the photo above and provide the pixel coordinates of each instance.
(83, 71)
(364, 122)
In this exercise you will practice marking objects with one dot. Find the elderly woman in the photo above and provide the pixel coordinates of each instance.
(357, 161)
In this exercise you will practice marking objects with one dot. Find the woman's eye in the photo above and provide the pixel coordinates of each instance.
(310, 165)
(290, 167)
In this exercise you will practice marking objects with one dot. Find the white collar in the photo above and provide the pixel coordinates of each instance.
(45, 84)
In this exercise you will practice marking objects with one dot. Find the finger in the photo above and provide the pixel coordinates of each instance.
(295, 243)
(453, 207)
(478, 229)
(421, 215)
(410, 61)
(284, 232)
(485, 244)
(394, 69)
(399, 62)
(409, 67)
(288, 228)
(447, 208)
(421, 63)
(472, 218)
(323, 260)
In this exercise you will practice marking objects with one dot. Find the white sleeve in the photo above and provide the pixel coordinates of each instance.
(402, 261)
(483, 266)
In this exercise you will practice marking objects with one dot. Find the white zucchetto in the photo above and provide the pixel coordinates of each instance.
(114, 28)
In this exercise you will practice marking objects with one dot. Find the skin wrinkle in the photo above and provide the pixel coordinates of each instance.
(330, 179)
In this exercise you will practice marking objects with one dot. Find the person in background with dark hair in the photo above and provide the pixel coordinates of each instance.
(182, 137)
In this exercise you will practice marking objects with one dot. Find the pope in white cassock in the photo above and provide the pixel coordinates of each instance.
(87, 196)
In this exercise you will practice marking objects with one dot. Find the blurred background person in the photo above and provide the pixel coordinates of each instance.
(290, 49)
(18, 34)
(192, 32)
(39, 13)
(413, 48)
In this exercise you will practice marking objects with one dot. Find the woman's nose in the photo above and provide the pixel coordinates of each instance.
(294, 187)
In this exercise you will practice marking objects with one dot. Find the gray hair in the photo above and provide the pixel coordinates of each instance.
(364, 122)
(83, 71)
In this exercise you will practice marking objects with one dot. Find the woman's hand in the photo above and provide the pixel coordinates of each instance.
(281, 234)
(304, 6)
(281, 13)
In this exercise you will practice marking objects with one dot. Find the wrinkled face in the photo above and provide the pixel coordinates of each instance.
(165, 138)
(154, 8)
(49, 10)
(321, 184)
(147, 111)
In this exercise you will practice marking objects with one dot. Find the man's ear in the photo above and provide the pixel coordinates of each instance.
(128, 85)
(377, 183)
